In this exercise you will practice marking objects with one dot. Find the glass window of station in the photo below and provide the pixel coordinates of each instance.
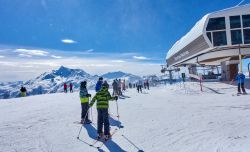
(216, 24)
(235, 22)
(246, 28)
(238, 25)
(216, 31)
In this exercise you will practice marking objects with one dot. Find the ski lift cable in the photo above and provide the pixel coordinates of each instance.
(240, 3)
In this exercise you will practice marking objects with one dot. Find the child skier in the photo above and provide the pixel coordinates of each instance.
(102, 97)
(84, 97)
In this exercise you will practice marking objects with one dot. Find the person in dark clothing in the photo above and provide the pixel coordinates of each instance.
(115, 87)
(99, 84)
(71, 87)
(106, 84)
(23, 91)
(240, 78)
(84, 98)
(102, 97)
(147, 84)
(119, 87)
(65, 87)
(139, 86)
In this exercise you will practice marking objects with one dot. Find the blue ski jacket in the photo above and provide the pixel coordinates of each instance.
(98, 86)
(240, 78)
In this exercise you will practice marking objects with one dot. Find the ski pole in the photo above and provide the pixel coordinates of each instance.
(82, 124)
(139, 150)
(91, 112)
(91, 115)
(117, 110)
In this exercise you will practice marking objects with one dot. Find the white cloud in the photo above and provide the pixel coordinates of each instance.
(90, 65)
(25, 55)
(56, 57)
(1, 56)
(68, 41)
(28, 52)
(90, 51)
(141, 58)
(117, 61)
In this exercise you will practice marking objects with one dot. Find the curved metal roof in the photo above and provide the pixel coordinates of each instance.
(193, 34)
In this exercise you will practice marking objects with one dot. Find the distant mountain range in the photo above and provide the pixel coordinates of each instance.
(53, 82)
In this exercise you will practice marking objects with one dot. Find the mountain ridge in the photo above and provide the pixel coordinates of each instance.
(52, 82)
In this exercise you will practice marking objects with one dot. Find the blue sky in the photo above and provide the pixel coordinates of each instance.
(134, 31)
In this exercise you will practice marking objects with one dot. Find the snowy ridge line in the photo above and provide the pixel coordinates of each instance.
(53, 82)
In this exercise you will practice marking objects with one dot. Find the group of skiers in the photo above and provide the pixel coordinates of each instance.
(140, 85)
(102, 98)
(65, 88)
(118, 87)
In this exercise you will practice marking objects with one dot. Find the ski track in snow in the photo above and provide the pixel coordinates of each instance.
(171, 118)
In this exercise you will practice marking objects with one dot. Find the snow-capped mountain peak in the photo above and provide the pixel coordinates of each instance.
(52, 82)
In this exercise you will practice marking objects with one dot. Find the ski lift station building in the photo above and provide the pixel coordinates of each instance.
(218, 39)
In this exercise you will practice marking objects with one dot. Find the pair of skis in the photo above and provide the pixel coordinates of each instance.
(101, 141)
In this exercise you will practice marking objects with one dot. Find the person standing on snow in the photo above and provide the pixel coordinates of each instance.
(115, 87)
(71, 87)
(119, 87)
(240, 78)
(147, 84)
(123, 85)
(102, 97)
(99, 84)
(84, 98)
(139, 86)
(23, 91)
(106, 84)
(65, 87)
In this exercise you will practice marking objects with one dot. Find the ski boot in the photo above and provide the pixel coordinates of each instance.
(107, 137)
(87, 121)
(100, 136)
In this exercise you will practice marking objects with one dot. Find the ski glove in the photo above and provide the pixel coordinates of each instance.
(88, 95)
(116, 97)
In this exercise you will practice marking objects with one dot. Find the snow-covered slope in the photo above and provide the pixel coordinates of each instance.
(173, 118)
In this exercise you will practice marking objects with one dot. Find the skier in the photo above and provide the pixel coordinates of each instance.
(102, 97)
(119, 87)
(99, 84)
(123, 85)
(84, 97)
(106, 83)
(147, 84)
(71, 87)
(139, 86)
(23, 91)
(115, 87)
(65, 87)
(240, 78)
(144, 84)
